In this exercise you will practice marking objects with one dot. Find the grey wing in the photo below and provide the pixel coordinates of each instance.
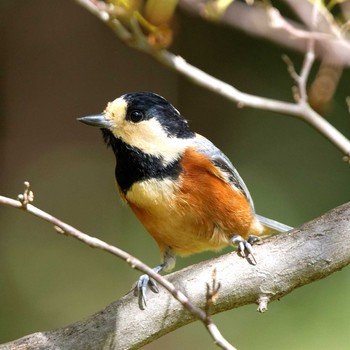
(219, 159)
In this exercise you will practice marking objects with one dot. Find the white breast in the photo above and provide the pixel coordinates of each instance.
(153, 193)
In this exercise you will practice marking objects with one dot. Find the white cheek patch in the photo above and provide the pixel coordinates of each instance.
(148, 135)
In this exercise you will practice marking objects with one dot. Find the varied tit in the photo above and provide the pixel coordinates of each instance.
(182, 188)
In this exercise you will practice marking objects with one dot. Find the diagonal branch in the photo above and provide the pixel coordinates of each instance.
(61, 227)
(269, 24)
(301, 110)
(285, 262)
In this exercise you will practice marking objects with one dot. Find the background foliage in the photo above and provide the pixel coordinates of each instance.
(59, 63)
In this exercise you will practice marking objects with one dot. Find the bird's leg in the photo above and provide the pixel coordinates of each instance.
(245, 246)
(144, 281)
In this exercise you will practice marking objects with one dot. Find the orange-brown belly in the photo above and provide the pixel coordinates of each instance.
(197, 212)
(183, 232)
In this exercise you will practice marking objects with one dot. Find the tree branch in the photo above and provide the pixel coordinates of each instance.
(135, 38)
(285, 262)
(61, 227)
(270, 25)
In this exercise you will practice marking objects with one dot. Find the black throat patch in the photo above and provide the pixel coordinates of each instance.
(133, 165)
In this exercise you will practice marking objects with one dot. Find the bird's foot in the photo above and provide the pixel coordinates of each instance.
(143, 283)
(245, 246)
(146, 282)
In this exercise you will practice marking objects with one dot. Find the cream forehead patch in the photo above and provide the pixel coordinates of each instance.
(115, 112)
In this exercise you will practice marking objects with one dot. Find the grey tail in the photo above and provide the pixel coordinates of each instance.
(274, 225)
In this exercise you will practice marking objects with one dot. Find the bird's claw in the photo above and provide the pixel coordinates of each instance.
(252, 239)
(141, 289)
(245, 246)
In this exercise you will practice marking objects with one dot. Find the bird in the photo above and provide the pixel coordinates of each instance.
(183, 189)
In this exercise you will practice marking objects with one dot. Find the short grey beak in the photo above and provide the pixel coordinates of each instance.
(97, 120)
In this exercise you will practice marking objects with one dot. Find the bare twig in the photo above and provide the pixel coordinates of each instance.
(305, 71)
(301, 96)
(347, 100)
(269, 24)
(27, 196)
(279, 22)
(212, 293)
(63, 228)
(291, 68)
(303, 111)
(325, 23)
(286, 262)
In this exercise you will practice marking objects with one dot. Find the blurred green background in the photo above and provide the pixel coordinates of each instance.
(59, 63)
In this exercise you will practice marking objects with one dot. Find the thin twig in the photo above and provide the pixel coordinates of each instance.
(300, 92)
(278, 22)
(259, 22)
(303, 111)
(305, 71)
(291, 68)
(199, 77)
(309, 59)
(68, 230)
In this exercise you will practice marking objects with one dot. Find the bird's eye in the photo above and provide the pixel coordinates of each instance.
(136, 116)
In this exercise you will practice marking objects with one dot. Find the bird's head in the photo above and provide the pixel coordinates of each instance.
(144, 121)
